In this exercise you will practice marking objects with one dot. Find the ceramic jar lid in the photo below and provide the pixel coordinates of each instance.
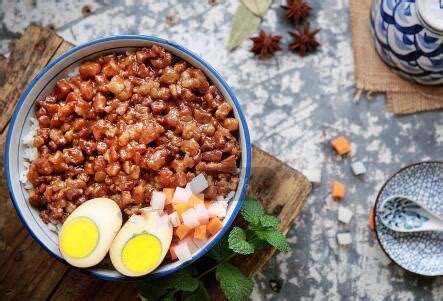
(431, 11)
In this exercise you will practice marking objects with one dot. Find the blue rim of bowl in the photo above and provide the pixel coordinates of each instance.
(374, 210)
(247, 152)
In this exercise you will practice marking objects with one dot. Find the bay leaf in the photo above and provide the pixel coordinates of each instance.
(257, 7)
(244, 23)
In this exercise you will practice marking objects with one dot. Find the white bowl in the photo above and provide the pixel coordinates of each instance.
(43, 84)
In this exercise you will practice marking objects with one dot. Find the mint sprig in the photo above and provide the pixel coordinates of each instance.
(238, 243)
(234, 284)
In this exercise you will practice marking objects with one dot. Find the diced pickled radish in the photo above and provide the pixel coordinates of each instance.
(188, 186)
(220, 198)
(163, 221)
(158, 200)
(174, 219)
(230, 196)
(344, 214)
(200, 242)
(217, 209)
(192, 246)
(202, 214)
(181, 195)
(182, 252)
(344, 239)
(190, 219)
(199, 183)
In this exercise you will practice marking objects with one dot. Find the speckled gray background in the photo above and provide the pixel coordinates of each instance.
(294, 106)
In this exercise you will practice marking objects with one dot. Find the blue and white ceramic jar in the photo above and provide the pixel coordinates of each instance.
(408, 36)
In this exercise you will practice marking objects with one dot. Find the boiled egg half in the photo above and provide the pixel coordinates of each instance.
(87, 234)
(142, 243)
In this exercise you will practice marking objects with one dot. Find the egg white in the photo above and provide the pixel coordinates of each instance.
(149, 221)
(107, 216)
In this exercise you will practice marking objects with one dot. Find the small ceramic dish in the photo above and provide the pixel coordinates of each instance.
(44, 82)
(421, 252)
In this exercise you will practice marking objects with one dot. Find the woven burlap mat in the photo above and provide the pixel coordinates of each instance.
(372, 75)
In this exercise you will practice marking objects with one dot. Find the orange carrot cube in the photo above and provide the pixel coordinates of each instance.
(371, 221)
(169, 192)
(341, 145)
(214, 225)
(172, 252)
(194, 201)
(182, 231)
(338, 190)
(208, 203)
(180, 208)
(200, 232)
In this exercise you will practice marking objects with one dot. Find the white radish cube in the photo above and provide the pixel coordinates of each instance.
(200, 242)
(174, 219)
(344, 214)
(344, 239)
(358, 168)
(199, 183)
(202, 214)
(183, 252)
(190, 218)
(313, 175)
(181, 195)
(193, 247)
(158, 200)
(230, 196)
(217, 209)
(188, 186)
(220, 198)
(163, 221)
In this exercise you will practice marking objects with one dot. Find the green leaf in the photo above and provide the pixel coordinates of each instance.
(244, 23)
(259, 244)
(157, 288)
(200, 294)
(181, 280)
(275, 238)
(233, 283)
(257, 7)
(252, 210)
(269, 221)
(237, 242)
(220, 251)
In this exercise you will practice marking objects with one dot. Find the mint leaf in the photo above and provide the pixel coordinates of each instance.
(252, 210)
(233, 283)
(220, 251)
(259, 244)
(237, 242)
(200, 294)
(274, 238)
(181, 280)
(149, 290)
(269, 221)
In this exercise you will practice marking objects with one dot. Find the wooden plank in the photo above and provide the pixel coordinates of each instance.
(28, 271)
(31, 53)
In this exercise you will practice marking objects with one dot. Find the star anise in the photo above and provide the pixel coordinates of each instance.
(265, 44)
(304, 40)
(297, 10)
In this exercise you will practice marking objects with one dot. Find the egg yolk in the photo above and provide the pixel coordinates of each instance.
(79, 237)
(142, 253)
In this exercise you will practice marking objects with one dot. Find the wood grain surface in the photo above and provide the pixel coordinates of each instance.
(27, 272)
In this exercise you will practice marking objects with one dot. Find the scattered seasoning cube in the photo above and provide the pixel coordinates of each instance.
(344, 239)
(183, 252)
(190, 218)
(169, 192)
(338, 190)
(344, 214)
(172, 252)
(358, 168)
(199, 183)
(313, 175)
(371, 221)
(181, 195)
(158, 200)
(341, 145)
(200, 242)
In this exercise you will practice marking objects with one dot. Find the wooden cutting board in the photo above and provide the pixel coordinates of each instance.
(29, 272)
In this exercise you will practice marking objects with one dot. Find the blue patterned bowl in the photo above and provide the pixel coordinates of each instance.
(408, 36)
(419, 252)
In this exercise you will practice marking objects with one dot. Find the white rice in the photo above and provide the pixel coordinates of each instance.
(29, 153)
